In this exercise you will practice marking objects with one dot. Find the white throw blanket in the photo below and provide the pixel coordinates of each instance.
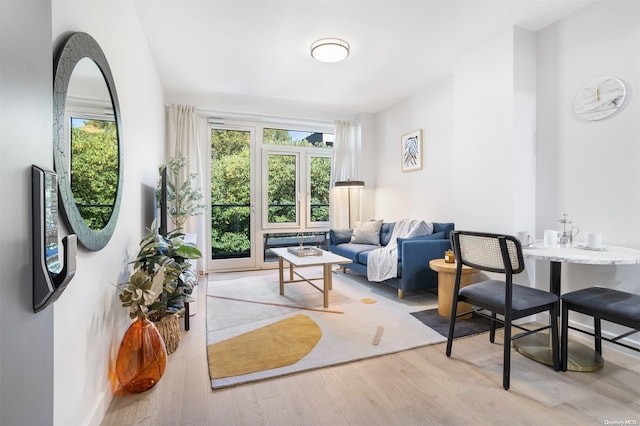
(382, 263)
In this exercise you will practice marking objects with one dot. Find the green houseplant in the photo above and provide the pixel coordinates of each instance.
(183, 198)
(170, 255)
(162, 281)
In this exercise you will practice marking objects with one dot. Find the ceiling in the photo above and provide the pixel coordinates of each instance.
(258, 51)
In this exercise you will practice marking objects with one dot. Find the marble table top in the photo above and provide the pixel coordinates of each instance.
(609, 255)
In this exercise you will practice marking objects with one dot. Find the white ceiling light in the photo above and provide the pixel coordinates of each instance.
(330, 50)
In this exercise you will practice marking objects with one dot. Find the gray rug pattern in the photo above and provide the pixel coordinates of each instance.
(469, 327)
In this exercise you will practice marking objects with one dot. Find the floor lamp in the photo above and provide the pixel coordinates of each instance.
(349, 184)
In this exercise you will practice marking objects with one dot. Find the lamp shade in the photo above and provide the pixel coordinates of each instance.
(349, 183)
(330, 49)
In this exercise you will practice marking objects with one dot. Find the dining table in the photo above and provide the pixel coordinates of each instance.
(536, 347)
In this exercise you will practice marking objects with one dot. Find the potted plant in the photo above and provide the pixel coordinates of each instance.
(183, 198)
(162, 282)
(142, 356)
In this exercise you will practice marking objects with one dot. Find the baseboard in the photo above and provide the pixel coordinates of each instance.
(99, 408)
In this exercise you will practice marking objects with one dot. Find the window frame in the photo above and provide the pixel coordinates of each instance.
(303, 154)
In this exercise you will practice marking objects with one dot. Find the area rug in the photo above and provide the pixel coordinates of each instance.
(254, 333)
(469, 327)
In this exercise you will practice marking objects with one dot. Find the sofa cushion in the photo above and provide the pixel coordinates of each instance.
(435, 236)
(443, 227)
(367, 233)
(339, 236)
(352, 250)
(385, 233)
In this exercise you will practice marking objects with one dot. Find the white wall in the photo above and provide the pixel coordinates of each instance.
(423, 194)
(479, 142)
(89, 322)
(495, 121)
(368, 171)
(26, 339)
(595, 178)
(591, 170)
(524, 129)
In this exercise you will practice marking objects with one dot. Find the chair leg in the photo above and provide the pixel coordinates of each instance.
(452, 324)
(555, 352)
(597, 330)
(564, 336)
(506, 362)
(492, 328)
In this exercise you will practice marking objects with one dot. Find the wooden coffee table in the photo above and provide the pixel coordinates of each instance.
(326, 260)
(446, 281)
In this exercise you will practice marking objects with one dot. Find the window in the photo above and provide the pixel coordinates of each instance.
(268, 184)
(297, 171)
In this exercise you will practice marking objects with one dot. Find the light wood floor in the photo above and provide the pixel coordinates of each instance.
(416, 387)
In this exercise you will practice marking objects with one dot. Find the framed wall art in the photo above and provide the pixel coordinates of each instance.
(411, 146)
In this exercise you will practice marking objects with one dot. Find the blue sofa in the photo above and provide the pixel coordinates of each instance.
(414, 255)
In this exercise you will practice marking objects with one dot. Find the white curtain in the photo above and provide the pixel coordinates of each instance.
(182, 137)
(345, 203)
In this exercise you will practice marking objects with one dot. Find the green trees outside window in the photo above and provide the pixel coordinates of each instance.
(230, 185)
(320, 182)
(230, 193)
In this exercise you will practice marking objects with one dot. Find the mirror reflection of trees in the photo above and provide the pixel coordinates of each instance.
(94, 169)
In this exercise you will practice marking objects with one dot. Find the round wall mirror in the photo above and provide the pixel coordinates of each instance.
(87, 151)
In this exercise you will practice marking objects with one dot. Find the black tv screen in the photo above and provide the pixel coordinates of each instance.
(163, 201)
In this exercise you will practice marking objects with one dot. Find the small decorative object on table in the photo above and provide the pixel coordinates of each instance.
(449, 257)
(305, 251)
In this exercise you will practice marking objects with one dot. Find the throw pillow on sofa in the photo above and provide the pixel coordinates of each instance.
(367, 233)
(341, 236)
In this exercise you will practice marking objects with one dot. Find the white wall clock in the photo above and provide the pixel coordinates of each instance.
(600, 98)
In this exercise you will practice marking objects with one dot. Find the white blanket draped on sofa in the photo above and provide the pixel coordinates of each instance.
(382, 263)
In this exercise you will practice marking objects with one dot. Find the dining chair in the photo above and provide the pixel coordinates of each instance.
(601, 303)
(500, 300)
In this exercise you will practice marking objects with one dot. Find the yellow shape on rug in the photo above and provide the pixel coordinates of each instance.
(276, 345)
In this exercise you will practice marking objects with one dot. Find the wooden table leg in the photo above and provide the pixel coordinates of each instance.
(327, 283)
(281, 274)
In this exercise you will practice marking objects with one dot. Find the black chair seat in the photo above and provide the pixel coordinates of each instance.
(601, 303)
(607, 303)
(491, 294)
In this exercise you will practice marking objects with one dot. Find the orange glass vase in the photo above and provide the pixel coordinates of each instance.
(142, 357)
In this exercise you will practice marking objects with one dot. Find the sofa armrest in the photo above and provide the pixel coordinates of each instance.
(416, 273)
(422, 251)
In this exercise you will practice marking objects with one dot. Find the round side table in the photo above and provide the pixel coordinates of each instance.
(446, 281)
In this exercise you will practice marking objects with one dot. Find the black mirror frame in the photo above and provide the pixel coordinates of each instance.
(78, 46)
